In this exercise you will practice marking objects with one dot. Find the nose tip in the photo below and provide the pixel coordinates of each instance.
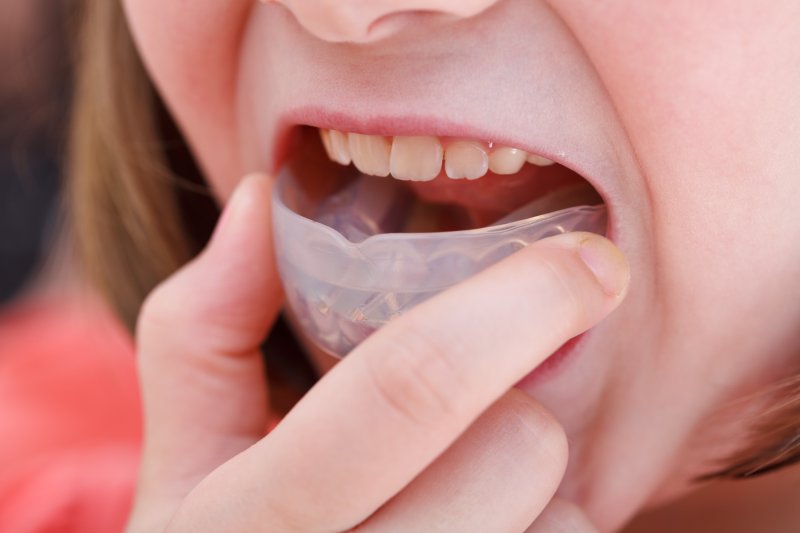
(361, 21)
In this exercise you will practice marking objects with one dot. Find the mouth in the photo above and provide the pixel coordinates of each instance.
(456, 183)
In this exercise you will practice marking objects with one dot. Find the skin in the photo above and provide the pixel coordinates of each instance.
(683, 116)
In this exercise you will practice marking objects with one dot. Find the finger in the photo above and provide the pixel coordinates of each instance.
(201, 373)
(498, 476)
(561, 516)
(405, 394)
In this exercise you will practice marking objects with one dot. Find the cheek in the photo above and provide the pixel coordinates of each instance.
(707, 96)
(191, 50)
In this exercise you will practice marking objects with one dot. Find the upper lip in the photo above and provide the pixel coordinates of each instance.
(392, 125)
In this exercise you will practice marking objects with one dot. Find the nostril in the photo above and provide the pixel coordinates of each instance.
(329, 20)
(361, 21)
(392, 23)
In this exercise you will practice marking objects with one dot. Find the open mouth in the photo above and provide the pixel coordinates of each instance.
(454, 183)
(360, 222)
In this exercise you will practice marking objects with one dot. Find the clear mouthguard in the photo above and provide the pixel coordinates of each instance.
(347, 270)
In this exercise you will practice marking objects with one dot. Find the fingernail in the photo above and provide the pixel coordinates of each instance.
(607, 263)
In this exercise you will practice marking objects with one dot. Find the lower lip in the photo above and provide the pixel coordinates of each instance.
(553, 364)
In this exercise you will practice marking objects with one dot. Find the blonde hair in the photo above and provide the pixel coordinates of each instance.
(122, 192)
(124, 199)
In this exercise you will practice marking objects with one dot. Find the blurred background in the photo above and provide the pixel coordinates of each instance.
(69, 414)
(33, 102)
(70, 419)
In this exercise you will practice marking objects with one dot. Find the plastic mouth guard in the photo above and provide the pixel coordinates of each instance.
(347, 271)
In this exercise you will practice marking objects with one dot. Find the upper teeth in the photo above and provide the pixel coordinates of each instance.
(419, 158)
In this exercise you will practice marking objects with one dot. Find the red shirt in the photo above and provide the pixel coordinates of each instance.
(70, 421)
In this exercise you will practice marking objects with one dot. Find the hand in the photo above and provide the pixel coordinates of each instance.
(418, 429)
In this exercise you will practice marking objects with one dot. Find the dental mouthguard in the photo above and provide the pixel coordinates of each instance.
(354, 258)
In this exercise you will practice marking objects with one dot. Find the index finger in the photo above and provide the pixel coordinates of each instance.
(402, 397)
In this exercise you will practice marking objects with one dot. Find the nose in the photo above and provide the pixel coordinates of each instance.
(362, 21)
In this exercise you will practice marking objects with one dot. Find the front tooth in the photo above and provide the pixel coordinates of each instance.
(465, 159)
(339, 150)
(506, 160)
(539, 161)
(370, 153)
(416, 158)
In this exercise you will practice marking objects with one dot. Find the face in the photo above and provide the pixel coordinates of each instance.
(683, 116)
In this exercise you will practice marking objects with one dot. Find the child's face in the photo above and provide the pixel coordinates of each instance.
(684, 115)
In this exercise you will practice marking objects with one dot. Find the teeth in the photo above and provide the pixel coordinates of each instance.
(539, 161)
(370, 153)
(419, 158)
(335, 143)
(416, 158)
(465, 159)
(507, 160)
(325, 135)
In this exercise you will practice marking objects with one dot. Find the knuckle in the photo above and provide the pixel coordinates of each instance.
(414, 375)
(157, 313)
(153, 313)
(539, 428)
(287, 517)
(163, 321)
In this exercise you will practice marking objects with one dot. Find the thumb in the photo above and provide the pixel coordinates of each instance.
(202, 376)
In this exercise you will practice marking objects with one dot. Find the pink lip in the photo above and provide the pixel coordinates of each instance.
(552, 366)
(389, 125)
